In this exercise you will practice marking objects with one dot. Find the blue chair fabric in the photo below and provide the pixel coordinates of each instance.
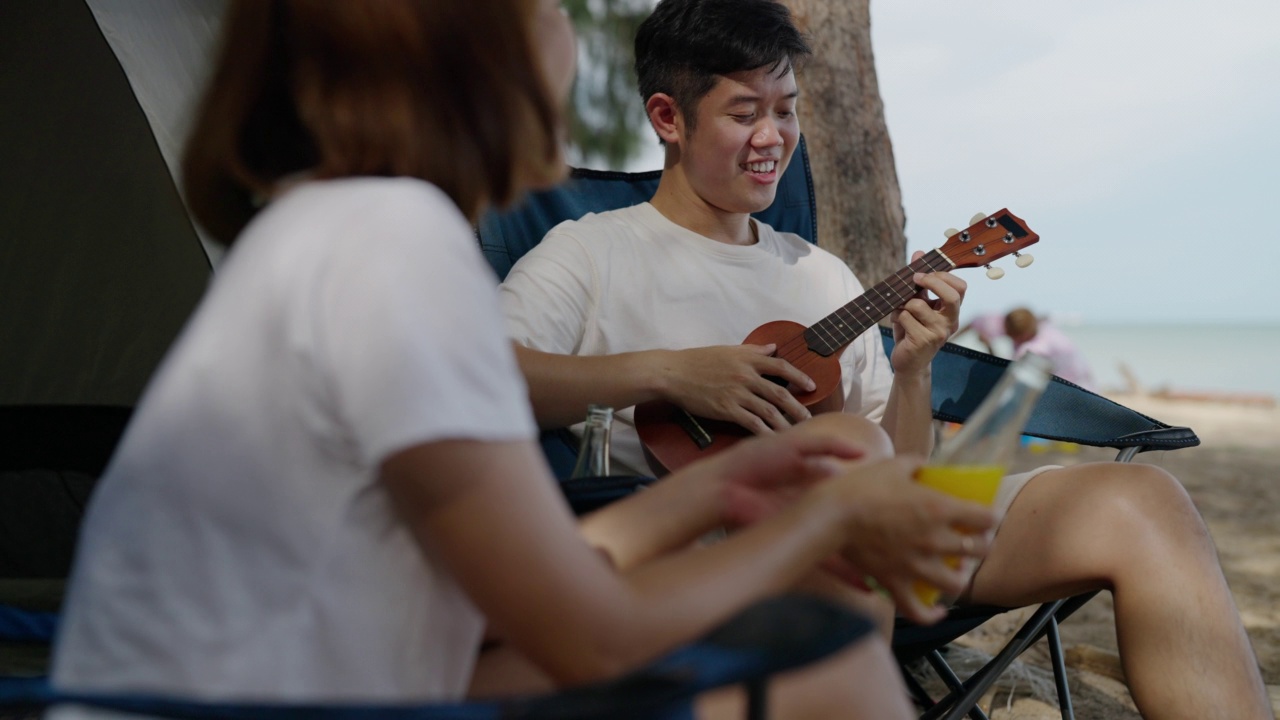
(767, 638)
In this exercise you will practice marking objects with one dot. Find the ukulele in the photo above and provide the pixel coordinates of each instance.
(672, 437)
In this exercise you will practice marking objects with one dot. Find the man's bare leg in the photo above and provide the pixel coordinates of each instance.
(1133, 530)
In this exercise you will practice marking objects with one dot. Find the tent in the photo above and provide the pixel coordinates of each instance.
(100, 264)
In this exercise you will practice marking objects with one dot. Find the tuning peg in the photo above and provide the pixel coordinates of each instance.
(994, 273)
(949, 232)
(977, 218)
(1024, 259)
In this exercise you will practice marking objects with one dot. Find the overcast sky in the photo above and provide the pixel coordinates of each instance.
(1140, 138)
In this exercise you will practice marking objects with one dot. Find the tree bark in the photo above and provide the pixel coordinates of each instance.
(860, 214)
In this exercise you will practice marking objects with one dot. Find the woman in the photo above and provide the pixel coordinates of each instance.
(331, 482)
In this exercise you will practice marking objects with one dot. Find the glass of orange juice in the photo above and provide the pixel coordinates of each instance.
(975, 483)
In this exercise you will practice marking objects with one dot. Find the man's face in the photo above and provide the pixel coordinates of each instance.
(745, 133)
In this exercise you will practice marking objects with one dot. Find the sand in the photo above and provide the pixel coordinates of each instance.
(1234, 479)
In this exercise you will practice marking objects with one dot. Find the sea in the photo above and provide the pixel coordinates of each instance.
(1210, 358)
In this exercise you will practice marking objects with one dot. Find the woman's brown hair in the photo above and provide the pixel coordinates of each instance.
(449, 91)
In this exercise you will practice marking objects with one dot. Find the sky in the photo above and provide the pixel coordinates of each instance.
(1139, 138)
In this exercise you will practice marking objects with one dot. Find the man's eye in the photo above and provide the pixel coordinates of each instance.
(786, 113)
(744, 118)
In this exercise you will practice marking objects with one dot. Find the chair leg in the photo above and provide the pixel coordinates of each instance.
(916, 690)
(1059, 671)
(957, 705)
(954, 684)
(757, 699)
(1126, 454)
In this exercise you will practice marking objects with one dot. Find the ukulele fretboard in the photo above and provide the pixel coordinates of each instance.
(838, 329)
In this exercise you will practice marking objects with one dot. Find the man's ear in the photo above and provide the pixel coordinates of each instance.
(665, 117)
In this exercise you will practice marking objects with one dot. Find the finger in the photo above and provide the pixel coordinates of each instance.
(785, 370)
(767, 412)
(765, 350)
(815, 445)
(969, 544)
(782, 400)
(909, 604)
(749, 420)
(947, 574)
(932, 327)
(937, 284)
(909, 321)
(970, 516)
(822, 467)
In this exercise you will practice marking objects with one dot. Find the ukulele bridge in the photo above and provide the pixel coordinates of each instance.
(694, 429)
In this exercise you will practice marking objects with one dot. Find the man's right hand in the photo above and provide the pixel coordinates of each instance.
(728, 382)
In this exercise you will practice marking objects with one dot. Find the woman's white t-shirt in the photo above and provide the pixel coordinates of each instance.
(240, 544)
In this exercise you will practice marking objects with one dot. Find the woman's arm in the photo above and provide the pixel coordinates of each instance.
(503, 530)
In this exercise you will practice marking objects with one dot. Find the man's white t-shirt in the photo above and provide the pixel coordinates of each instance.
(630, 279)
(240, 545)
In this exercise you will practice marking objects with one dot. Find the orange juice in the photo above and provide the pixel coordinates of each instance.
(975, 483)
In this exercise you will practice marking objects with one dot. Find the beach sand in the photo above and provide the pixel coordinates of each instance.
(1234, 479)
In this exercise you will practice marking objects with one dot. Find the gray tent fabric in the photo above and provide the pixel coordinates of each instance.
(100, 264)
(165, 49)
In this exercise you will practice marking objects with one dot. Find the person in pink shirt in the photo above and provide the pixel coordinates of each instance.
(1030, 334)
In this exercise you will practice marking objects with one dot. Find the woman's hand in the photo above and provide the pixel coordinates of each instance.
(901, 533)
(762, 475)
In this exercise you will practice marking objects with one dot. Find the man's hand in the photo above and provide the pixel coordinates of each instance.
(727, 382)
(921, 326)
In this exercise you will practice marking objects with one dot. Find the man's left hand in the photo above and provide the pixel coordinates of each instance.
(922, 325)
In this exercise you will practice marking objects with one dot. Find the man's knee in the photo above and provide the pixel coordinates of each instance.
(862, 432)
(1141, 502)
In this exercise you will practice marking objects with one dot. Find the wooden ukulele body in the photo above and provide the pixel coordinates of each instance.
(672, 438)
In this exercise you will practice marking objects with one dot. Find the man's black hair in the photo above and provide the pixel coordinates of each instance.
(685, 44)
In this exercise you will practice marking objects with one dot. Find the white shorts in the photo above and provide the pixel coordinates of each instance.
(1009, 488)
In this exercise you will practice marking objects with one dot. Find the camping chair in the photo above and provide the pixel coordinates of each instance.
(770, 637)
(961, 379)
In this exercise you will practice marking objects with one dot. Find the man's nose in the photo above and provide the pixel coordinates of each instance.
(766, 134)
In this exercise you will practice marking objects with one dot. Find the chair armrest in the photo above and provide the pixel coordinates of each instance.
(767, 638)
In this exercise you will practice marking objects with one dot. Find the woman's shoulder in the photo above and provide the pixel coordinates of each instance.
(372, 198)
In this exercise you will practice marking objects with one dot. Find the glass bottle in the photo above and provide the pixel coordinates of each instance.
(970, 464)
(593, 450)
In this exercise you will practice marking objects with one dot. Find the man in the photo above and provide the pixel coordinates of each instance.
(648, 302)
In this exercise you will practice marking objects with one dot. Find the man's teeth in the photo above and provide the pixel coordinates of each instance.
(762, 167)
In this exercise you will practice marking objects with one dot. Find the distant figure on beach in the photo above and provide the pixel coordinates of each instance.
(1031, 334)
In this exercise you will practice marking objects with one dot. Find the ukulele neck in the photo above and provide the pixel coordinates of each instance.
(832, 333)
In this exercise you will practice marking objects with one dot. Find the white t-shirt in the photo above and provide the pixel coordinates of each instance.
(631, 279)
(240, 545)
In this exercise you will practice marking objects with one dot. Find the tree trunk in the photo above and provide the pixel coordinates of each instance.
(860, 215)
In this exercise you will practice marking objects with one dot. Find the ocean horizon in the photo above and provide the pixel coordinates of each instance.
(1226, 358)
